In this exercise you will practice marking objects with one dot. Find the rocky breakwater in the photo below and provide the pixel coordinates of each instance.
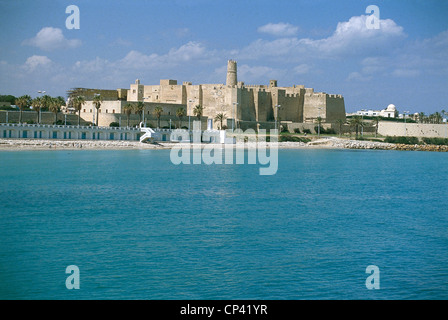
(421, 147)
(363, 144)
(352, 144)
(30, 144)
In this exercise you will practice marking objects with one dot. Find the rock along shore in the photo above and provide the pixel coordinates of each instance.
(325, 143)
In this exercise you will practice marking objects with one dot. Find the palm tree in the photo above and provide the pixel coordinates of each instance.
(46, 100)
(37, 104)
(356, 122)
(54, 107)
(198, 111)
(319, 122)
(377, 121)
(180, 113)
(97, 100)
(220, 117)
(340, 123)
(437, 117)
(78, 102)
(158, 112)
(128, 110)
(139, 107)
(421, 117)
(22, 102)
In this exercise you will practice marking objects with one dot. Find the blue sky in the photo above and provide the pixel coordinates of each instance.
(323, 45)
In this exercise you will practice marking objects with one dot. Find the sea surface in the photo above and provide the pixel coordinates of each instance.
(139, 227)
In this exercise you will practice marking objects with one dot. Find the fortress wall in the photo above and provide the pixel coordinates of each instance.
(295, 89)
(246, 109)
(107, 95)
(194, 93)
(263, 105)
(150, 119)
(110, 111)
(291, 106)
(169, 109)
(218, 98)
(311, 103)
(309, 126)
(151, 93)
(31, 116)
(335, 108)
(172, 94)
(135, 93)
(387, 128)
(106, 107)
(244, 125)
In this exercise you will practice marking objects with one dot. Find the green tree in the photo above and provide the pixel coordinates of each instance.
(23, 102)
(198, 111)
(54, 107)
(437, 117)
(356, 122)
(37, 104)
(8, 98)
(377, 121)
(319, 123)
(139, 107)
(97, 101)
(421, 117)
(220, 117)
(128, 110)
(158, 113)
(340, 123)
(46, 101)
(180, 113)
(78, 102)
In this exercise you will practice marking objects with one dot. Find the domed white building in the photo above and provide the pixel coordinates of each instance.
(389, 112)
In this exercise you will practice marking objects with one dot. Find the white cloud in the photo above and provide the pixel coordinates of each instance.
(121, 42)
(34, 62)
(96, 65)
(175, 56)
(279, 29)
(405, 73)
(258, 74)
(302, 68)
(187, 52)
(350, 38)
(357, 76)
(353, 35)
(49, 39)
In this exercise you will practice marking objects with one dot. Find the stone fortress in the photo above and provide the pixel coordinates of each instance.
(250, 106)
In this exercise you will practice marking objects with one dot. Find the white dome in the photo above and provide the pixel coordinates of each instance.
(391, 107)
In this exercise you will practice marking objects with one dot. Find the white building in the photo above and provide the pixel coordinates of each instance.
(389, 112)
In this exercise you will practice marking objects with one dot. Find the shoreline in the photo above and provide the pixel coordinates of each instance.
(324, 143)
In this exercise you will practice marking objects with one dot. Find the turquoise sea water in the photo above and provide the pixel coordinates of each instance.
(139, 227)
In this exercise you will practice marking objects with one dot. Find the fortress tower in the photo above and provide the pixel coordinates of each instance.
(231, 79)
